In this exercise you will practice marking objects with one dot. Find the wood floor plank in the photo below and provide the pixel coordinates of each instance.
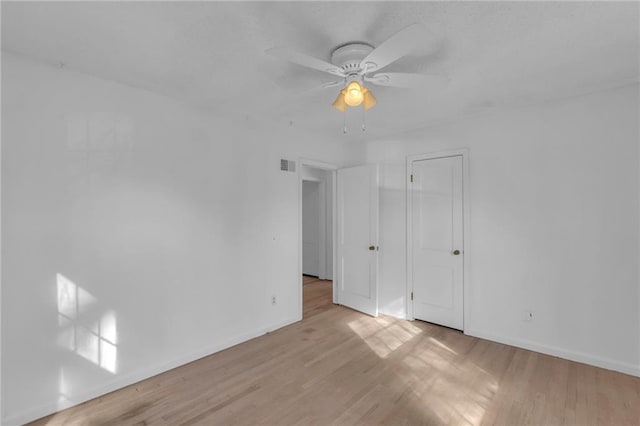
(340, 367)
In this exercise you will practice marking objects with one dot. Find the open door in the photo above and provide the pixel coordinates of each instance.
(357, 214)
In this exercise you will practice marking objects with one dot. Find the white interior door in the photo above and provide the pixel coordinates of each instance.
(357, 211)
(436, 238)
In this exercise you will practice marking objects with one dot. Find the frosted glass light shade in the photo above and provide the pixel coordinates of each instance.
(369, 100)
(339, 103)
(354, 95)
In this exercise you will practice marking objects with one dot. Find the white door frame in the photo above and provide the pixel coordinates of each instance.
(466, 226)
(332, 169)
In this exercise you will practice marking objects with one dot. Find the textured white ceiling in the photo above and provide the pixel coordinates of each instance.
(493, 54)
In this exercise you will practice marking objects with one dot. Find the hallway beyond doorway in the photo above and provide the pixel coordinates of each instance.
(317, 295)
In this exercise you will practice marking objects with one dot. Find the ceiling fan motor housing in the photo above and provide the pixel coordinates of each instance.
(349, 56)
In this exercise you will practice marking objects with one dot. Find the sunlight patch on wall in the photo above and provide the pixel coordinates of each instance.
(93, 338)
(98, 131)
(63, 390)
(71, 298)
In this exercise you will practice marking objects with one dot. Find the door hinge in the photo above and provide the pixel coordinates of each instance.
(411, 295)
(411, 178)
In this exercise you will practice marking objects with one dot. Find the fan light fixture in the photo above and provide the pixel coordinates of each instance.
(353, 95)
(355, 63)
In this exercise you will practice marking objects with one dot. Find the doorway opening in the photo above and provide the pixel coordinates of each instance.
(317, 205)
(317, 295)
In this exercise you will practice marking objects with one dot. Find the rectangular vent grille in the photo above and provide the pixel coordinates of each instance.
(287, 165)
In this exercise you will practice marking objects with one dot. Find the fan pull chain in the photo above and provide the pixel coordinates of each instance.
(344, 126)
(364, 125)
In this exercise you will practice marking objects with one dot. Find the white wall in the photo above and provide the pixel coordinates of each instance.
(554, 224)
(155, 232)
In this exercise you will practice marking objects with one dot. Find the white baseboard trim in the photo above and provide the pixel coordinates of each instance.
(581, 357)
(120, 382)
(393, 314)
(281, 324)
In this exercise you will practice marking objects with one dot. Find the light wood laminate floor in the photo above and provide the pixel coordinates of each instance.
(338, 366)
(318, 296)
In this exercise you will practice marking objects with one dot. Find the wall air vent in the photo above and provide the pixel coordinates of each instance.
(287, 165)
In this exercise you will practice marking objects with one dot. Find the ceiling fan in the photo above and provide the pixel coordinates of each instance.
(359, 63)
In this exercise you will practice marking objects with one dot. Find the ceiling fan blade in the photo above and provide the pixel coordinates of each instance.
(300, 100)
(406, 80)
(305, 60)
(320, 88)
(398, 45)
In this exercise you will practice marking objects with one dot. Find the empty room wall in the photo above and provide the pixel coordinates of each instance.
(554, 224)
(139, 233)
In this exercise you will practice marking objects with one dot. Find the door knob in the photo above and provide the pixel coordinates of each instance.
(456, 252)
(372, 247)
